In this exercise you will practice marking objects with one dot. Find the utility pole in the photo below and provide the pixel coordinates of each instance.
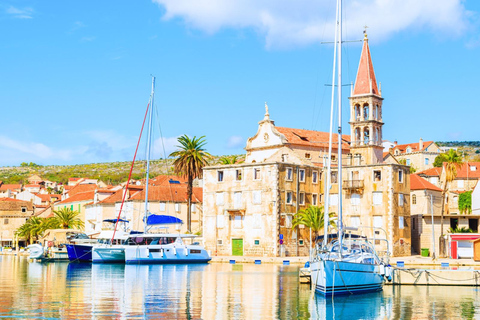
(433, 227)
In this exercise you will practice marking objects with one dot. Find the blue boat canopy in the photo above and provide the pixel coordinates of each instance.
(115, 220)
(154, 219)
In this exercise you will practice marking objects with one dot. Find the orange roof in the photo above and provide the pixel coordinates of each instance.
(465, 171)
(33, 186)
(173, 193)
(312, 138)
(432, 172)
(48, 197)
(365, 82)
(418, 183)
(164, 180)
(13, 200)
(82, 188)
(10, 186)
(414, 146)
(78, 197)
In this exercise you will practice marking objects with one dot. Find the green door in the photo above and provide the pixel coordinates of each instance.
(237, 247)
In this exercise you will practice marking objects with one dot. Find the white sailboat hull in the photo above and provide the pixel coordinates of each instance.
(331, 277)
(108, 254)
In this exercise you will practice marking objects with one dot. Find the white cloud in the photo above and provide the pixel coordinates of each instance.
(25, 13)
(162, 147)
(301, 22)
(235, 142)
(15, 150)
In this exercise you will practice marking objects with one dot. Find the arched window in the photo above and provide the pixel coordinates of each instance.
(357, 112)
(365, 112)
(414, 199)
(366, 135)
(409, 149)
(357, 136)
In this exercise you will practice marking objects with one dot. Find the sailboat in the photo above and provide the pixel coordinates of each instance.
(346, 265)
(146, 247)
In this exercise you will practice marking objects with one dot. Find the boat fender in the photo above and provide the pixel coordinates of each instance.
(174, 251)
(50, 244)
(186, 250)
(382, 269)
(388, 272)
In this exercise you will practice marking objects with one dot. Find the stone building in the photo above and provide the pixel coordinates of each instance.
(13, 214)
(249, 207)
(419, 155)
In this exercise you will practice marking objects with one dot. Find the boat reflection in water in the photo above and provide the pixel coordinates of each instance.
(366, 306)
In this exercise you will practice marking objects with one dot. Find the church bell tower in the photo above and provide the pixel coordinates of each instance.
(366, 113)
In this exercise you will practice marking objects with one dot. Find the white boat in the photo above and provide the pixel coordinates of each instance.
(164, 249)
(344, 266)
(52, 247)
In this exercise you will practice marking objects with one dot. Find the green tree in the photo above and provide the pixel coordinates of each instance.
(66, 218)
(439, 160)
(312, 217)
(33, 228)
(453, 160)
(465, 202)
(190, 158)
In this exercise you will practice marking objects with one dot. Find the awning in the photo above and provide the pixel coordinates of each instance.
(155, 219)
(115, 220)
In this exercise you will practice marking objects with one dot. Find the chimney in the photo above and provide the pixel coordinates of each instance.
(395, 142)
(420, 145)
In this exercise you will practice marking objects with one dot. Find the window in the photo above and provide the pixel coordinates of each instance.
(256, 242)
(401, 198)
(355, 221)
(408, 162)
(257, 197)
(377, 198)
(377, 221)
(302, 175)
(334, 158)
(314, 199)
(409, 149)
(177, 207)
(334, 177)
(284, 158)
(5, 221)
(315, 177)
(400, 176)
(460, 184)
(473, 168)
(219, 200)
(301, 199)
(397, 152)
(334, 199)
(24, 209)
(289, 175)
(401, 223)
(301, 242)
(414, 199)
(220, 242)
(238, 174)
(237, 221)
(162, 206)
(377, 175)
(220, 176)
(288, 221)
(257, 221)
(355, 199)
(426, 161)
(308, 156)
(220, 221)
(289, 197)
(193, 207)
(256, 174)
(237, 200)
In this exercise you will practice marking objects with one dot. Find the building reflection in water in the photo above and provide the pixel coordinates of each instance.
(213, 291)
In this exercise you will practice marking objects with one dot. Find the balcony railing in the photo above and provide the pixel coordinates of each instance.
(352, 184)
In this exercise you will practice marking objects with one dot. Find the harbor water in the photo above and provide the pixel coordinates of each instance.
(62, 290)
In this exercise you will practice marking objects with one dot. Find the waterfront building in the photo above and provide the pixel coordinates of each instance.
(249, 207)
(13, 214)
(419, 155)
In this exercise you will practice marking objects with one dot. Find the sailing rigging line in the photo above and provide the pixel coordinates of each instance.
(131, 170)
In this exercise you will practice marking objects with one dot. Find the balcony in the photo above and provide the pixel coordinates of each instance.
(352, 184)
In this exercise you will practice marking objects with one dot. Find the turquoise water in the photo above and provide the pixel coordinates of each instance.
(213, 291)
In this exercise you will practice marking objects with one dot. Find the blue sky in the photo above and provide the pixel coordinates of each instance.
(75, 75)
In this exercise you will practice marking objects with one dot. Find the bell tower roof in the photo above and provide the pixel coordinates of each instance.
(366, 82)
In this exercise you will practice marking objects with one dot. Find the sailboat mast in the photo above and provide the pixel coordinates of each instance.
(149, 143)
(328, 184)
(339, 79)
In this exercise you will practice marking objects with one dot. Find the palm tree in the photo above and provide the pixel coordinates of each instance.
(452, 161)
(313, 218)
(190, 158)
(230, 159)
(66, 218)
(31, 229)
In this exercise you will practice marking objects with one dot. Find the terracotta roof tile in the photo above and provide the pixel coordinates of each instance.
(312, 138)
(432, 172)
(10, 186)
(418, 183)
(173, 193)
(164, 180)
(79, 197)
(414, 146)
(82, 188)
(465, 171)
(365, 83)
